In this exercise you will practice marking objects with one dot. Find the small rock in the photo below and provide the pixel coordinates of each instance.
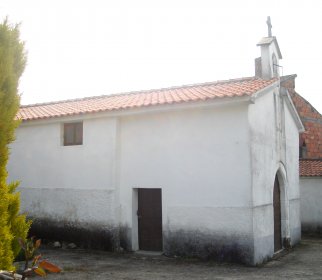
(71, 246)
(57, 244)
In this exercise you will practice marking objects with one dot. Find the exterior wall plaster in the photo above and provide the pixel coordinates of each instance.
(67, 188)
(273, 152)
(267, 66)
(292, 172)
(201, 166)
(311, 209)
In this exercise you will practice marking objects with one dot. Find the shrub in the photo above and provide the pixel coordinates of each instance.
(12, 64)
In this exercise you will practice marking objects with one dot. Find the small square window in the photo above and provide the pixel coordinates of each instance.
(73, 134)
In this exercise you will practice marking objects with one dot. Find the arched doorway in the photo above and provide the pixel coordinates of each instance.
(277, 216)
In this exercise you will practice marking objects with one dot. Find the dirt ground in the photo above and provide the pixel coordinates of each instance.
(302, 262)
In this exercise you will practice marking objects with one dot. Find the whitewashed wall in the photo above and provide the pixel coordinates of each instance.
(292, 168)
(198, 156)
(267, 52)
(273, 151)
(73, 183)
(311, 206)
(200, 160)
(263, 167)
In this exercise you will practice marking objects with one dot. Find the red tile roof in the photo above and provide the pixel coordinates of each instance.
(310, 167)
(190, 93)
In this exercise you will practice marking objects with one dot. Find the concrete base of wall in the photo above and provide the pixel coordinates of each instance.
(180, 243)
(89, 236)
(206, 246)
(311, 207)
(264, 249)
(308, 228)
(184, 243)
(295, 236)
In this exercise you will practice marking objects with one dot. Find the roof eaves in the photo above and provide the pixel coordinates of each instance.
(140, 110)
(263, 91)
(70, 107)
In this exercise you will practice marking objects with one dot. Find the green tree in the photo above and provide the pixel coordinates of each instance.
(12, 64)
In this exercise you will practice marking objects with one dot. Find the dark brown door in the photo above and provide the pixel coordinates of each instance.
(150, 219)
(277, 216)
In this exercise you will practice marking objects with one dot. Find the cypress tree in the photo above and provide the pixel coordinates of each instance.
(12, 64)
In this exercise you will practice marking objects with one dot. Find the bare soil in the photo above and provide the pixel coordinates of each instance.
(302, 262)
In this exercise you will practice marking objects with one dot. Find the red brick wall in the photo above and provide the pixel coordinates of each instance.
(312, 121)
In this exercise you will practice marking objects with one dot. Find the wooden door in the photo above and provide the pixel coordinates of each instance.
(277, 216)
(150, 219)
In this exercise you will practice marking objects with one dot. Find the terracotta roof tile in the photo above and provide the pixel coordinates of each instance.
(310, 167)
(190, 93)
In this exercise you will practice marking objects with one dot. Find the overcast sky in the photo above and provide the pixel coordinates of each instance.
(86, 48)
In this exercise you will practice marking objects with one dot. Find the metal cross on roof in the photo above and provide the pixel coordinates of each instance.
(269, 26)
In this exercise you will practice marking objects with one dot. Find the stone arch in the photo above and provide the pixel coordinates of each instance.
(281, 177)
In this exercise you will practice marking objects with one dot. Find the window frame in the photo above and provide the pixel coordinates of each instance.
(73, 130)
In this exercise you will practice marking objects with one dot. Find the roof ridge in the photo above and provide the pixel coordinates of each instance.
(140, 91)
(310, 159)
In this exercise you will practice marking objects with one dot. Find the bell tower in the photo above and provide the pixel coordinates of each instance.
(267, 65)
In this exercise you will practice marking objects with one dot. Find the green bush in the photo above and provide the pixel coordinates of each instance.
(12, 64)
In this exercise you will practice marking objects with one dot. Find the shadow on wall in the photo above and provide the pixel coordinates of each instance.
(194, 244)
(87, 236)
(309, 229)
(219, 248)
